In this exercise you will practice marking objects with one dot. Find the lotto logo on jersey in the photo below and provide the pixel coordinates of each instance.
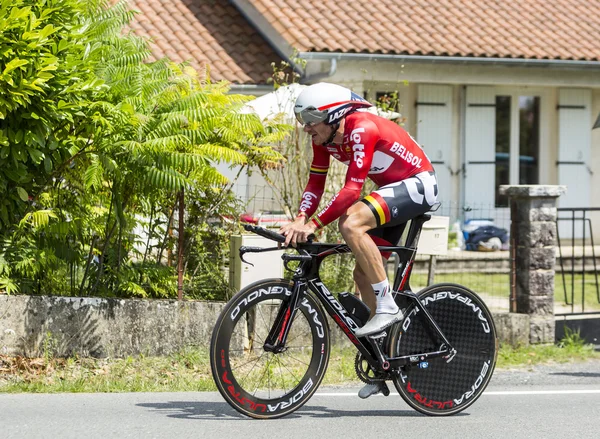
(358, 148)
(409, 157)
(307, 201)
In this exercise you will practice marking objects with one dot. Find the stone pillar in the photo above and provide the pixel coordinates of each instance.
(533, 246)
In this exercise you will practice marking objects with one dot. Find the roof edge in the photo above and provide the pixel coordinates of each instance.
(267, 31)
(525, 62)
(253, 89)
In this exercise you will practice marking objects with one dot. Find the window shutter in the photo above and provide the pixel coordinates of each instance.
(435, 134)
(480, 147)
(574, 149)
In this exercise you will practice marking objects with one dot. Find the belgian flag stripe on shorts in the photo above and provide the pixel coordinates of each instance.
(378, 207)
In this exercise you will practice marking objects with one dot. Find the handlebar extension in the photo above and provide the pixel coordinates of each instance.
(265, 232)
(269, 234)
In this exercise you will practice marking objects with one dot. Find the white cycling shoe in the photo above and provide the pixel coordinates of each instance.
(378, 323)
(373, 389)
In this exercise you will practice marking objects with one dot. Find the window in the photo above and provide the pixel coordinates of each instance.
(517, 142)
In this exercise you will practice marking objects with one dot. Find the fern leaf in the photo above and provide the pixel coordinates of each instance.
(222, 153)
(92, 177)
(170, 142)
(37, 218)
(208, 176)
(168, 179)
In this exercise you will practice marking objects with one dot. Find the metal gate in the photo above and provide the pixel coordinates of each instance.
(577, 295)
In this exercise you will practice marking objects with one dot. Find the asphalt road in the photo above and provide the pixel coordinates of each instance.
(544, 402)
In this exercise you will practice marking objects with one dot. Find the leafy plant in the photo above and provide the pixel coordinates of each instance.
(572, 339)
(101, 157)
(45, 84)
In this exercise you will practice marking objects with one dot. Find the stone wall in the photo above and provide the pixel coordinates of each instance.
(533, 243)
(30, 325)
(63, 326)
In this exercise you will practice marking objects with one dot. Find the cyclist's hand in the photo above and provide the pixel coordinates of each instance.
(299, 221)
(297, 232)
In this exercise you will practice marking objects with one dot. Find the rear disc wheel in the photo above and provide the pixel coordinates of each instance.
(445, 386)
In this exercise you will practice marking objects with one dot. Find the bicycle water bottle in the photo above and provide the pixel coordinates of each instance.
(357, 309)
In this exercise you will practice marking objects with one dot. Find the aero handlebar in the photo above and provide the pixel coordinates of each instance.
(266, 233)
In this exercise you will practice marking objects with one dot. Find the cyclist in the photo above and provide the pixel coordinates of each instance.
(373, 147)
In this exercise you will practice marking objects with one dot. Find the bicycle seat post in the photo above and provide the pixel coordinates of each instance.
(401, 279)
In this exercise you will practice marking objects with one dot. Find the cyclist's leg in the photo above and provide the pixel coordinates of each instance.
(365, 290)
(354, 227)
(390, 205)
(381, 236)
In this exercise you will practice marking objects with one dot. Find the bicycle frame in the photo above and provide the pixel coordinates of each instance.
(307, 277)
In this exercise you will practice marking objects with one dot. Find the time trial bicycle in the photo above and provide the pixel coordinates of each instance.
(271, 343)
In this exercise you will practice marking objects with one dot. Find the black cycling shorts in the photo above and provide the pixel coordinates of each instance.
(395, 204)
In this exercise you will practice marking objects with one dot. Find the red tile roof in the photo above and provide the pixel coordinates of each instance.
(214, 32)
(556, 29)
(204, 32)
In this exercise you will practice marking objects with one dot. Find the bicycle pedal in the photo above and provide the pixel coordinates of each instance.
(385, 390)
(378, 335)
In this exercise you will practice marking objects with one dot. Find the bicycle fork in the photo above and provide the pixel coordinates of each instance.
(277, 338)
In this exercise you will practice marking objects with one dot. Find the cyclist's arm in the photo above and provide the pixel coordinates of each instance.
(316, 183)
(363, 137)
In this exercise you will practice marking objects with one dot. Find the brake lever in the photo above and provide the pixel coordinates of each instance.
(245, 249)
(245, 261)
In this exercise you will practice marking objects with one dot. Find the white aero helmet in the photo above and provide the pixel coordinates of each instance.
(324, 102)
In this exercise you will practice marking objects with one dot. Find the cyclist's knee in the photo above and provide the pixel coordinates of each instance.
(353, 223)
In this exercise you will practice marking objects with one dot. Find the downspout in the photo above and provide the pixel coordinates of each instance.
(463, 147)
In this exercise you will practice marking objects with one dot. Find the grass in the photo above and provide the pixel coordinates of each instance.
(190, 370)
(185, 371)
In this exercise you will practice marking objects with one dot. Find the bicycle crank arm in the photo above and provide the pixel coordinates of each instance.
(381, 358)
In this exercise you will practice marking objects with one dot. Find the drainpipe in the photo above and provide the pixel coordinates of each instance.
(251, 89)
(462, 126)
(523, 62)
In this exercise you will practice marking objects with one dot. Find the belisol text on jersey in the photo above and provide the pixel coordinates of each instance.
(409, 157)
(396, 148)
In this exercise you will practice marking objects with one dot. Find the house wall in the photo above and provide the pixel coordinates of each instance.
(372, 76)
(364, 76)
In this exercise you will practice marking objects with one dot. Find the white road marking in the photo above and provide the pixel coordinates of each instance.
(542, 392)
(495, 393)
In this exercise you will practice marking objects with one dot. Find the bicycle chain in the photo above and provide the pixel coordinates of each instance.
(368, 376)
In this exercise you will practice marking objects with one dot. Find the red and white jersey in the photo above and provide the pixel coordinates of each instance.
(372, 147)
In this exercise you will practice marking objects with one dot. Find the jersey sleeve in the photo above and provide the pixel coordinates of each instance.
(316, 182)
(362, 139)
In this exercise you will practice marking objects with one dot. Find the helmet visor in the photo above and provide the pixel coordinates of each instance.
(311, 116)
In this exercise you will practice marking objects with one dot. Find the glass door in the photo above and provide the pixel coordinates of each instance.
(517, 141)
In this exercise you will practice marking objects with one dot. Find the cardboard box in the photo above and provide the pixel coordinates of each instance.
(434, 236)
